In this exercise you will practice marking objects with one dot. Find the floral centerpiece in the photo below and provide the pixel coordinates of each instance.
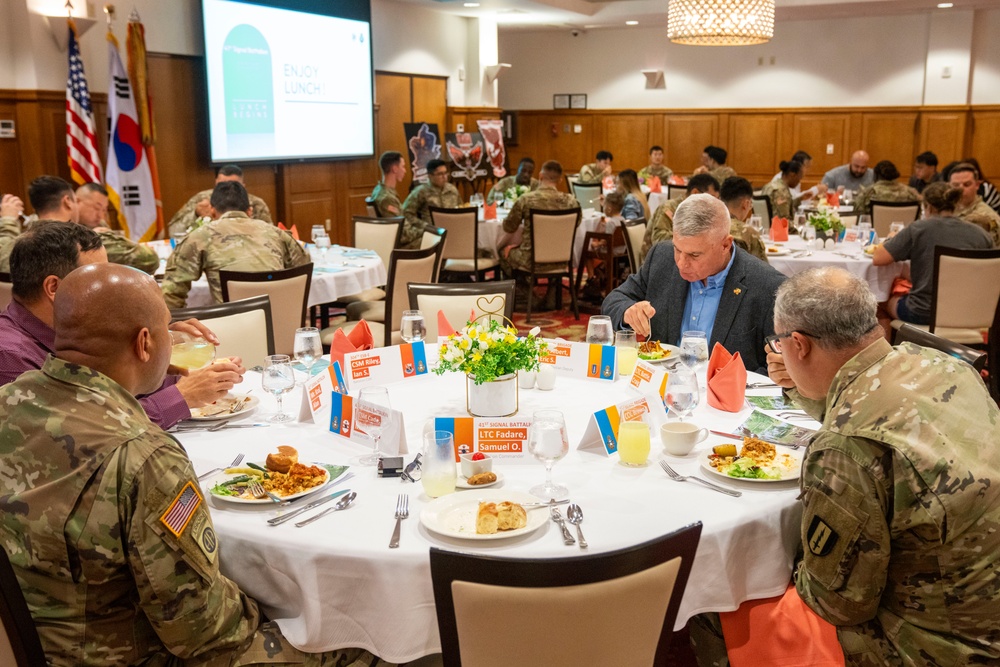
(825, 220)
(490, 354)
(514, 193)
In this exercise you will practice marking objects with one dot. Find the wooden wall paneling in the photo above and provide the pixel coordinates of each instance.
(812, 132)
(395, 108)
(942, 133)
(13, 180)
(753, 146)
(984, 144)
(890, 136)
(629, 137)
(430, 101)
(686, 136)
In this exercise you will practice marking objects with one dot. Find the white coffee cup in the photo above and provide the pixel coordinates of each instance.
(679, 438)
(546, 380)
(526, 379)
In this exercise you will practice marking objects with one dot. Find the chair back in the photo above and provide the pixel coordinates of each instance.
(6, 293)
(19, 642)
(552, 235)
(458, 300)
(884, 213)
(908, 333)
(405, 267)
(463, 232)
(432, 236)
(762, 207)
(675, 191)
(635, 230)
(588, 194)
(289, 292)
(955, 305)
(615, 608)
(849, 221)
(371, 208)
(243, 327)
(379, 234)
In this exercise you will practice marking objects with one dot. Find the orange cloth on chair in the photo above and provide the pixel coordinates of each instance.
(489, 212)
(360, 338)
(780, 632)
(727, 380)
(779, 229)
(653, 182)
(900, 287)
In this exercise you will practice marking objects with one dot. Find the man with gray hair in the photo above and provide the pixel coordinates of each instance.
(700, 281)
(901, 484)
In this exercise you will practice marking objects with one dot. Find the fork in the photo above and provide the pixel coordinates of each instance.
(258, 491)
(674, 475)
(238, 460)
(760, 385)
(402, 511)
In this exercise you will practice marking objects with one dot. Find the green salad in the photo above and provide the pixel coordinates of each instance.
(747, 468)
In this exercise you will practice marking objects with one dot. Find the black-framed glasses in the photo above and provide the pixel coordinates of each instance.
(774, 342)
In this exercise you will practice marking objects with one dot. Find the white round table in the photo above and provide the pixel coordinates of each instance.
(846, 256)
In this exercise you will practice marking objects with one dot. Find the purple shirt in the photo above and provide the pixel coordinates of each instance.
(26, 341)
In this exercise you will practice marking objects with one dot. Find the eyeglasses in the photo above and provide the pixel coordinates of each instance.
(774, 342)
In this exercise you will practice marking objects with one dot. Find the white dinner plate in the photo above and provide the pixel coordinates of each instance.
(789, 472)
(220, 409)
(777, 253)
(674, 354)
(454, 515)
(222, 477)
(461, 482)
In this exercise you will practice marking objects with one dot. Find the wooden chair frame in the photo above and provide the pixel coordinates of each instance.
(271, 276)
(891, 205)
(414, 290)
(480, 274)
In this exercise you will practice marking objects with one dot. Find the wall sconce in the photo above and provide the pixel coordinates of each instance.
(56, 20)
(493, 71)
(654, 78)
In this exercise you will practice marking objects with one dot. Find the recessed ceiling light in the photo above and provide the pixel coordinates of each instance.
(631, 23)
(471, 4)
(945, 5)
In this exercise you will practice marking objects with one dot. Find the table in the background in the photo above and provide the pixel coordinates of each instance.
(845, 256)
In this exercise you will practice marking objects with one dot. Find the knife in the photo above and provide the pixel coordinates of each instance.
(740, 437)
(316, 503)
(568, 538)
(182, 429)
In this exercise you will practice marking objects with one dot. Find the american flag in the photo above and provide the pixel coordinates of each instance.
(181, 510)
(81, 142)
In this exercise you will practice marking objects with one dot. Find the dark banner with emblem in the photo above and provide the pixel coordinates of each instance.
(424, 144)
(465, 149)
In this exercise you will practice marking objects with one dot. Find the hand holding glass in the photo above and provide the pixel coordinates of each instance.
(190, 352)
(548, 442)
(277, 378)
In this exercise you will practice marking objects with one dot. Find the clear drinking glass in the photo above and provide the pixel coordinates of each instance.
(756, 224)
(682, 391)
(498, 199)
(307, 348)
(190, 352)
(600, 331)
(694, 349)
(412, 327)
(808, 233)
(377, 396)
(627, 350)
(438, 470)
(476, 199)
(800, 223)
(318, 230)
(548, 442)
(323, 245)
(277, 378)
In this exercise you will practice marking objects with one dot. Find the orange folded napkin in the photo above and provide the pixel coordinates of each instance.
(779, 229)
(653, 182)
(832, 198)
(764, 633)
(727, 380)
(676, 179)
(444, 326)
(360, 338)
(489, 212)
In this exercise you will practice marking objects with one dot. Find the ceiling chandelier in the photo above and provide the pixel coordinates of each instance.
(720, 22)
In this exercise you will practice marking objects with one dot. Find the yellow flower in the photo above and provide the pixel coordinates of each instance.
(477, 356)
(510, 339)
(465, 344)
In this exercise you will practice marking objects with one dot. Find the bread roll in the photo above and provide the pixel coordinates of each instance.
(511, 516)
(486, 519)
(284, 459)
(482, 478)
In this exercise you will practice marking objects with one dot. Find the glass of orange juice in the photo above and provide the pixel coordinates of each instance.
(190, 352)
(627, 350)
(633, 444)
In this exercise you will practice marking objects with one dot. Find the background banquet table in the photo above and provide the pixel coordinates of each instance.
(492, 237)
(335, 583)
(845, 256)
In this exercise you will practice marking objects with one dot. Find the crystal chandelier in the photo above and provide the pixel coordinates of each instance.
(720, 22)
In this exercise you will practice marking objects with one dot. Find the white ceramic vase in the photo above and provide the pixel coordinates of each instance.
(491, 399)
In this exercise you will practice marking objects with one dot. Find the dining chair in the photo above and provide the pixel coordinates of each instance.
(405, 266)
(849, 221)
(608, 249)
(19, 642)
(552, 236)
(243, 327)
(457, 301)
(461, 257)
(675, 191)
(371, 208)
(762, 207)
(6, 293)
(614, 608)
(884, 213)
(289, 292)
(635, 231)
(907, 333)
(431, 237)
(588, 194)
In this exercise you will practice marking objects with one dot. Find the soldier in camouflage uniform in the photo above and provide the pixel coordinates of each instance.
(885, 188)
(198, 207)
(596, 171)
(779, 191)
(437, 191)
(737, 194)
(393, 166)
(713, 162)
(656, 166)
(524, 176)
(234, 242)
(11, 209)
(93, 203)
(971, 206)
(104, 522)
(661, 226)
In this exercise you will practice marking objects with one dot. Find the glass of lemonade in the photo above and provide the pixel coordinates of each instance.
(633, 444)
(438, 471)
(190, 352)
(627, 350)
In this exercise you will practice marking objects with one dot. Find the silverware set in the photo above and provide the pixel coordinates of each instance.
(402, 512)
(575, 516)
(278, 520)
(761, 385)
(558, 518)
(215, 426)
(677, 477)
(238, 460)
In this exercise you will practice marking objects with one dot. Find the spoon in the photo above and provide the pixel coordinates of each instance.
(341, 504)
(575, 516)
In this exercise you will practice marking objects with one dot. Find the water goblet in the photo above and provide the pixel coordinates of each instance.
(277, 378)
(307, 348)
(757, 224)
(682, 391)
(412, 327)
(548, 442)
(600, 331)
(694, 348)
(498, 199)
(370, 421)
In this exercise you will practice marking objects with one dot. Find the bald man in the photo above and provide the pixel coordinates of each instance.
(109, 575)
(851, 176)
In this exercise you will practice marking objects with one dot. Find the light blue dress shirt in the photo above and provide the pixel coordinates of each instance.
(702, 303)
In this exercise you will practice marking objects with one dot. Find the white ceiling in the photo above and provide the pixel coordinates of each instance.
(596, 14)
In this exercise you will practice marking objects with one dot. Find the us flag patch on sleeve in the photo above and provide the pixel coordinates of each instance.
(179, 513)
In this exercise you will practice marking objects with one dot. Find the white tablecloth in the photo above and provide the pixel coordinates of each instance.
(879, 278)
(335, 583)
(492, 237)
(656, 200)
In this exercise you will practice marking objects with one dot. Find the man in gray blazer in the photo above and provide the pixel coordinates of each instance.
(701, 281)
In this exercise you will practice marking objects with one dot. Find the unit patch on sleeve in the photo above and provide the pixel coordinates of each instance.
(180, 511)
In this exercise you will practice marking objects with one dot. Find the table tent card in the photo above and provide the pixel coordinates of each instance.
(601, 435)
(385, 365)
(649, 378)
(350, 418)
(503, 439)
(582, 360)
(316, 393)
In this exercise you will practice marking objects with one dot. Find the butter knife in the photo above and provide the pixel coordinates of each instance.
(278, 520)
(557, 517)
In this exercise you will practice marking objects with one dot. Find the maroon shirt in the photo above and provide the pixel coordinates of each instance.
(26, 341)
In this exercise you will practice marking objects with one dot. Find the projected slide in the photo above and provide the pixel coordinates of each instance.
(285, 84)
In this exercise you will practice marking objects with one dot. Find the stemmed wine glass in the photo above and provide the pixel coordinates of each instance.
(375, 396)
(682, 391)
(277, 378)
(323, 245)
(412, 328)
(498, 199)
(307, 348)
(600, 331)
(548, 442)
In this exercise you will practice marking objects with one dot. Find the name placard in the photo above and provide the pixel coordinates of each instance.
(649, 378)
(356, 420)
(582, 360)
(316, 393)
(385, 365)
(503, 439)
(601, 435)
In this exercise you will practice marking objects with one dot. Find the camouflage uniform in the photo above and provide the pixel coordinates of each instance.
(746, 238)
(545, 198)
(234, 242)
(883, 191)
(660, 226)
(721, 173)
(417, 212)
(185, 218)
(981, 214)
(10, 229)
(662, 171)
(591, 173)
(386, 201)
(109, 535)
(505, 184)
(901, 526)
(783, 204)
(123, 251)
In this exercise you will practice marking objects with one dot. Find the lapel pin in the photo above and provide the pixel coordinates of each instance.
(737, 290)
